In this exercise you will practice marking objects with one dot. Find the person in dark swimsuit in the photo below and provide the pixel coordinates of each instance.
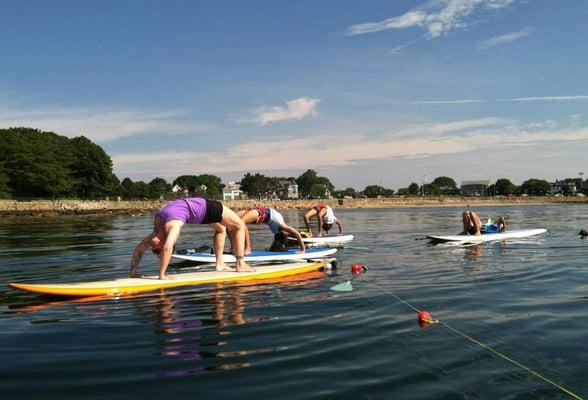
(171, 218)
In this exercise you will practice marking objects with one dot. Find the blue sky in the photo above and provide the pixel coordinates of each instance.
(371, 92)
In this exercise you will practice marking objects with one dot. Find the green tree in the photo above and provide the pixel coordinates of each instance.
(214, 186)
(128, 189)
(195, 183)
(308, 181)
(91, 169)
(413, 189)
(45, 164)
(36, 163)
(4, 189)
(142, 190)
(505, 187)
(190, 182)
(536, 187)
(445, 186)
(373, 191)
(159, 187)
(258, 185)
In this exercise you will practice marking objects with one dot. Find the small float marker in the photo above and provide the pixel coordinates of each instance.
(358, 268)
(425, 318)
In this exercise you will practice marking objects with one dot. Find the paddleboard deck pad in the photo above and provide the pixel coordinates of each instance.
(325, 241)
(125, 286)
(260, 256)
(508, 234)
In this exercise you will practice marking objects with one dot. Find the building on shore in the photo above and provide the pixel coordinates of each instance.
(232, 192)
(475, 188)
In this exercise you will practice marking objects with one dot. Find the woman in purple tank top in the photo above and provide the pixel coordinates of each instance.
(171, 218)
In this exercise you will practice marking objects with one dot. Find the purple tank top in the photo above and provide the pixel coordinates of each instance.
(189, 211)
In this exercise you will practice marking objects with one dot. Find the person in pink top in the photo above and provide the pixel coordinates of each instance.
(172, 217)
(275, 221)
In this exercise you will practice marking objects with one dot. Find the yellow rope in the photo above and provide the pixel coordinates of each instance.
(484, 346)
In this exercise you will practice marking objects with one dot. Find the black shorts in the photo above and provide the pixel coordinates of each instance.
(214, 212)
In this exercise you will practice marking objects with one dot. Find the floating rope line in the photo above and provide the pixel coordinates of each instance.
(479, 343)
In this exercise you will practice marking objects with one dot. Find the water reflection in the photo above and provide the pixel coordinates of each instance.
(27, 236)
(474, 253)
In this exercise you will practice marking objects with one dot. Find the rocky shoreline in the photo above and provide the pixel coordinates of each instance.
(87, 207)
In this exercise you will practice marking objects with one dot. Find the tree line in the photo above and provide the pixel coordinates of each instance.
(36, 164)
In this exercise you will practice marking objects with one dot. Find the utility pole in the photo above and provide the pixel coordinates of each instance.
(424, 182)
(581, 174)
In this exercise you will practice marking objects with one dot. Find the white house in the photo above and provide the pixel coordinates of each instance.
(287, 189)
(232, 191)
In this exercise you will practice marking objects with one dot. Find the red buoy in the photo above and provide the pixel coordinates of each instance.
(357, 268)
(425, 317)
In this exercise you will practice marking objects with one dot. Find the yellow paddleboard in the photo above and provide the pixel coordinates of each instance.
(124, 286)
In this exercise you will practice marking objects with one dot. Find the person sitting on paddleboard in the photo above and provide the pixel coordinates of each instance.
(275, 221)
(171, 218)
(472, 225)
(326, 219)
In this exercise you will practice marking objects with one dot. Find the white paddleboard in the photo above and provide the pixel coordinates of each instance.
(261, 256)
(325, 241)
(124, 286)
(508, 234)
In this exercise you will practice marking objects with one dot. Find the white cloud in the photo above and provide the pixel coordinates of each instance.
(507, 38)
(328, 150)
(100, 125)
(436, 17)
(295, 109)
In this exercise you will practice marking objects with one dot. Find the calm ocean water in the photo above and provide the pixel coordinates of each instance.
(526, 299)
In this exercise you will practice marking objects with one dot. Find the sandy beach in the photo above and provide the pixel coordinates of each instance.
(80, 207)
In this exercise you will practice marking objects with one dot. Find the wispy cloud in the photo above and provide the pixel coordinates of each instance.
(548, 98)
(436, 17)
(464, 101)
(302, 153)
(507, 38)
(516, 99)
(294, 109)
(100, 125)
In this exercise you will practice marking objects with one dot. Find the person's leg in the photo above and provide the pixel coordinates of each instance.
(220, 232)
(236, 227)
(476, 223)
(465, 217)
(310, 213)
(249, 217)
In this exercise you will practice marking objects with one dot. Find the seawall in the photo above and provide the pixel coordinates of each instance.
(80, 207)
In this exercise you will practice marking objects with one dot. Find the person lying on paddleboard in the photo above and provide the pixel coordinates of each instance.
(172, 217)
(326, 219)
(275, 221)
(472, 225)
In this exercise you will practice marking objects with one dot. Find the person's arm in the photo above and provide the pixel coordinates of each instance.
(340, 226)
(168, 247)
(138, 254)
(295, 232)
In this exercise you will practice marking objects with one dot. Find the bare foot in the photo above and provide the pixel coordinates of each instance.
(247, 252)
(224, 268)
(244, 267)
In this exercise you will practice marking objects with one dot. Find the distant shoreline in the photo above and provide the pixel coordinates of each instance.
(101, 207)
